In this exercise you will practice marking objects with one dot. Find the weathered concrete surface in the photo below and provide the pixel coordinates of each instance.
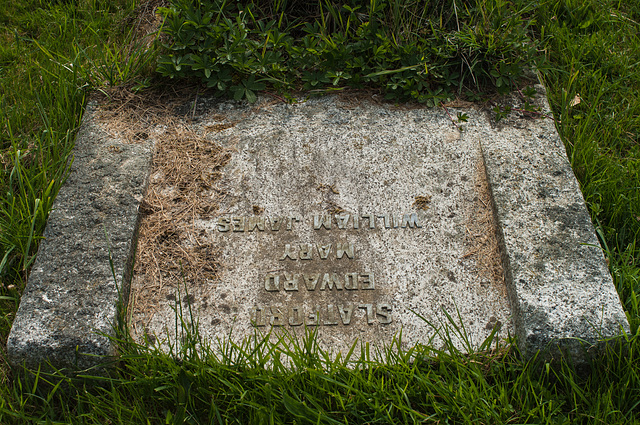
(318, 166)
(330, 157)
(344, 160)
(562, 294)
(69, 304)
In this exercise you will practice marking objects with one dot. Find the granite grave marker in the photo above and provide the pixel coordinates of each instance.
(358, 219)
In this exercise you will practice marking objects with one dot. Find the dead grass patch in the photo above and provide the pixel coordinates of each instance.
(182, 189)
(130, 115)
(146, 21)
(422, 202)
(171, 251)
(482, 234)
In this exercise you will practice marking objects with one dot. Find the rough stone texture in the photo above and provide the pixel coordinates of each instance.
(329, 156)
(562, 294)
(70, 301)
(326, 157)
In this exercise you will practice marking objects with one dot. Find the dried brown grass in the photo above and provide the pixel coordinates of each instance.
(146, 21)
(482, 234)
(171, 250)
(182, 189)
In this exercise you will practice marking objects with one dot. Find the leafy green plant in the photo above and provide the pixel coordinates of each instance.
(398, 49)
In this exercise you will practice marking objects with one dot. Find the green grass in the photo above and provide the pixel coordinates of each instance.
(249, 383)
(595, 52)
(52, 54)
(407, 50)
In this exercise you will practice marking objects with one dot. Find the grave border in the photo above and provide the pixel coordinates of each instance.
(67, 318)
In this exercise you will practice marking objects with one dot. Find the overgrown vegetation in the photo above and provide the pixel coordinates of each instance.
(53, 53)
(250, 383)
(428, 52)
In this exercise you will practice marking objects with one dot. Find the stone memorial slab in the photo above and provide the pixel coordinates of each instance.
(358, 219)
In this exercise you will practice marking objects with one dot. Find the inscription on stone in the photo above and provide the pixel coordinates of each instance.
(324, 221)
(329, 314)
(360, 228)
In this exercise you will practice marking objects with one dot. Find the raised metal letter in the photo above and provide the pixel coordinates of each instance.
(290, 282)
(291, 219)
(323, 220)
(342, 221)
(276, 222)
(410, 220)
(306, 251)
(288, 252)
(324, 250)
(238, 224)
(346, 313)
(384, 310)
(223, 224)
(331, 281)
(253, 222)
(331, 318)
(295, 316)
(387, 221)
(344, 248)
(372, 220)
(369, 310)
(276, 316)
(351, 281)
(367, 281)
(311, 281)
(272, 282)
(313, 319)
(257, 316)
